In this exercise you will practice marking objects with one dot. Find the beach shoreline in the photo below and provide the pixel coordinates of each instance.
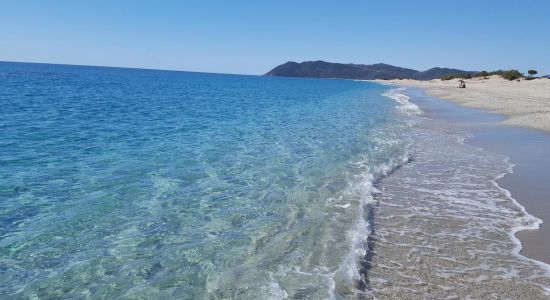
(523, 143)
(446, 222)
(524, 103)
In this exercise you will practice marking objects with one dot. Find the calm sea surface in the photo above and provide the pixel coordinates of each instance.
(129, 183)
(141, 184)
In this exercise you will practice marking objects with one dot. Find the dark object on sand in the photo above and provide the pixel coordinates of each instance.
(462, 84)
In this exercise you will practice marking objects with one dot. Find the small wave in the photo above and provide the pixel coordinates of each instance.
(525, 222)
(349, 272)
(448, 211)
(403, 100)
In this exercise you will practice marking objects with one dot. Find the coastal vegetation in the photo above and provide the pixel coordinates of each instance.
(506, 74)
(532, 72)
(456, 76)
(509, 74)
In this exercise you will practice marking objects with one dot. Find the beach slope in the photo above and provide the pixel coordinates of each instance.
(526, 103)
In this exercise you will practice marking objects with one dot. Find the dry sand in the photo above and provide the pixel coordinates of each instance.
(526, 103)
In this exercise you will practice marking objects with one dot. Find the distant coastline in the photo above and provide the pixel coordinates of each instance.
(322, 69)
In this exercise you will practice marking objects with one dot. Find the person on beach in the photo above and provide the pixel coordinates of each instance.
(462, 84)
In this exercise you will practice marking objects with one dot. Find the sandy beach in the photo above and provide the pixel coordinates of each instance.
(525, 103)
(438, 214)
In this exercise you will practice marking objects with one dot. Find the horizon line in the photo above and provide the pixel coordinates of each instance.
(205, 72)
(122, 67)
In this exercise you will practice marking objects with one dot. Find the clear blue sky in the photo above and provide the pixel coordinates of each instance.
(250, 37)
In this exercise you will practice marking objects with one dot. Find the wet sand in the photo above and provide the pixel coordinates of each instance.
(443, 226)
(525, 103)
(528, 149)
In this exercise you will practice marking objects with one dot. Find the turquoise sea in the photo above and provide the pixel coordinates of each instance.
(142, 183)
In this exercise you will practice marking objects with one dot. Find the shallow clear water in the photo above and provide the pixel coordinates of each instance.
(443, 227)
(141, 183)
(126, 183)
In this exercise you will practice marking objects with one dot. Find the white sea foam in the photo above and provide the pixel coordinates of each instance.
(447, 211)
(326, 260)
(274, 290)
(524, 222)
(405, 105)
(349, 271)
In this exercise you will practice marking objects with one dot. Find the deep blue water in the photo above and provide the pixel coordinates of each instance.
(141, 183)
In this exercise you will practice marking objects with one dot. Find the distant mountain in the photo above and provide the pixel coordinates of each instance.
(322, 69)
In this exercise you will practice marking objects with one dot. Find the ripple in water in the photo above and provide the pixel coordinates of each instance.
(120, 183)
(445, 229)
